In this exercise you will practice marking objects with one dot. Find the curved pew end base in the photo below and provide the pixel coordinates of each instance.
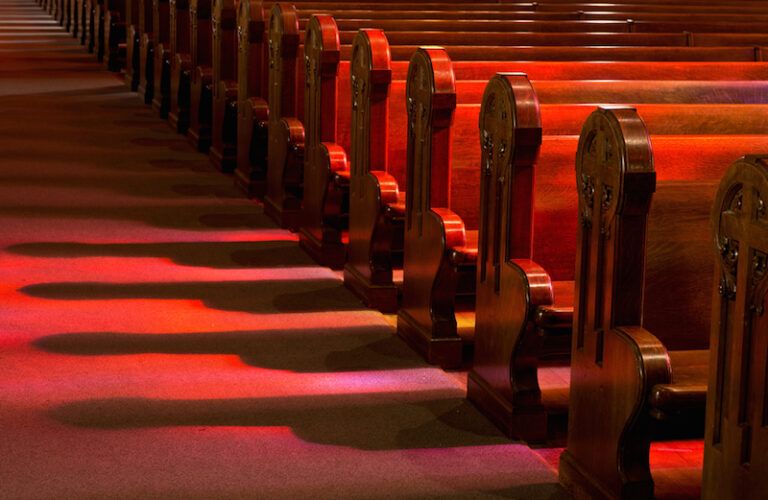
(582, 486)
(252, 188)
(284, 215)
(222, 161)
(333, 255)
(160, 107)
(199, 140)
(178, 123)
(145, 92)
(384, 298)
(529, 425)
(446, 352)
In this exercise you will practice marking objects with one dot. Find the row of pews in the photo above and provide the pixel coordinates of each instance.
(527, 185)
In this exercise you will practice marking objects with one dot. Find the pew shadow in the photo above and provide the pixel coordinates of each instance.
(265, 296)
(211, 254)
(375, 421)
(315, 350)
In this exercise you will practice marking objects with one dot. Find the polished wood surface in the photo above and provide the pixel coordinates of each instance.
(641, 315)
(224, 85)
(735, 457)
(178, 66)
(201, 74)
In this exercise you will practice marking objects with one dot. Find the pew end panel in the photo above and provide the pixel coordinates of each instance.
(252, 106)
(736, 437)
(161, 54)
(200, 75)
(323, 217)
(369, 267)
(639, 272)
(223, 150)
(616, 179)
(285, 149)
(427, 317)
(516, 312)
(178, 112)
(177, 63)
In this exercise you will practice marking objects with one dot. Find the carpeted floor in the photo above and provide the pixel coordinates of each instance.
(161, 338)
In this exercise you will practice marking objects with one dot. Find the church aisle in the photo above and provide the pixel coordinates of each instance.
(161, 338)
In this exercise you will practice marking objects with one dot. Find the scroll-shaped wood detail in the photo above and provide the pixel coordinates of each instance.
(368, 271)
(510, 286)
(735, 461)
(613, 367)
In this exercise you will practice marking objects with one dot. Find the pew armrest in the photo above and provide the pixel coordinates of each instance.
(259, 109)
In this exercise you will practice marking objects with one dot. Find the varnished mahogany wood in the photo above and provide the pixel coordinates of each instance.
(641, 315)
(161, 54)
(429, 311)
(145, 49)
(735, 459)
(132, 42)
(200, 74)
(252, 107)
(178, 66)
(114, 34)
(223, 151)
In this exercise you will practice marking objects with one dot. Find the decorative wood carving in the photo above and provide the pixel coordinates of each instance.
(285, 164)
(510, 284)
(224, 84)
(368, 271)
(616, 179)
(427, 316)
(322, 226)
(737, 401)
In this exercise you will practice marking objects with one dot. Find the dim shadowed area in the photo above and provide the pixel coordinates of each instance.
(160, 338)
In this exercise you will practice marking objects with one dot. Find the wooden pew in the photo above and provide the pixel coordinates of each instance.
(145, 48)
(323, 228)
(642, 310)
(282, 201)
(438, 295)
(153, 38)
(200, 74)
(132, 43)
(324, 213)
(287, 214)
(158, 55)
(178, 65)
(735, 441)
(114, 34)
(534, 283)
(74, 16)
(378, 176)
(223, 151)
(251, 147)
